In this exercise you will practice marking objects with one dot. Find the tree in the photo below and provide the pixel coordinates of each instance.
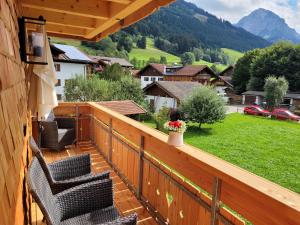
(163, 60)
(81, 89)
(125, 43)
(114, 72)
(95, 89)
(187, 58)
(241, 74)
(127, 88)
(142, 43)
(198, 52)
(281, 59)
(204, 106)
(275, 90)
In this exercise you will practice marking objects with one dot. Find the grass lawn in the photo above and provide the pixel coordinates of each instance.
(266, 147)
(233, 55)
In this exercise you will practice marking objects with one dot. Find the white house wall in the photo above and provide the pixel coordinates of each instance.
(151, 79)
(160, 102)
(68, 71)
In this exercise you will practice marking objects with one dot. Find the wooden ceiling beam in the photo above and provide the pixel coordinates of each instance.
(125, 2)
(97, 9)
(118, 14)
(64, 30)
(63, 18)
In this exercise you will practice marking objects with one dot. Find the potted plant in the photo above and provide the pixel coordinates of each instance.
(176, 130)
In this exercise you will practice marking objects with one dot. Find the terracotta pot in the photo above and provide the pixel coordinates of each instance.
(175, 139)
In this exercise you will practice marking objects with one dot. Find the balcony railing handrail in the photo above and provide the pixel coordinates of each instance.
(257, 199)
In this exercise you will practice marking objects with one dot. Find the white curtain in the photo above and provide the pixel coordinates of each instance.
(42, 96)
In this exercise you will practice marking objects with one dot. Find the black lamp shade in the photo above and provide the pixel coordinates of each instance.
(33, 39)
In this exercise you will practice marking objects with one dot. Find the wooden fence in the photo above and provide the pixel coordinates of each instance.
(181, 185)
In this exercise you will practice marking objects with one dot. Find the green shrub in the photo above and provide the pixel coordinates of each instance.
(204, 106)
(161, 117)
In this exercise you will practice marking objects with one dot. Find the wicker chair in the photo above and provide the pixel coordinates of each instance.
(69, 172)
(86, 204)
(56, 133)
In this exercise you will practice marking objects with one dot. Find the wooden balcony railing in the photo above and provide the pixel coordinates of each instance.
(181, 185)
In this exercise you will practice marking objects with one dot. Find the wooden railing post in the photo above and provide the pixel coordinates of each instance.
(215, 207)
(77, 122)
(140, 167)
(110, 130)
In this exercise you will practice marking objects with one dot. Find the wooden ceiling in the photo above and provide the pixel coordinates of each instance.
(89, 19)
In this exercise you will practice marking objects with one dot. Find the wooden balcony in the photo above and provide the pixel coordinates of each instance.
(179, 185)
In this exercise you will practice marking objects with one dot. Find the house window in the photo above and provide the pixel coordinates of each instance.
(160, 79)
(146, 78)
(59, 97)
(152, 78)
(57, 67)
(58, 83)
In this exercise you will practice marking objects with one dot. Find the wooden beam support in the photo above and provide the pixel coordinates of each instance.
(61, 29)
(88, 8)
(118, 13)
(58, 18)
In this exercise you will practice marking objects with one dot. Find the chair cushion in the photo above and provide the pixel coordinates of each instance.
(96, 217)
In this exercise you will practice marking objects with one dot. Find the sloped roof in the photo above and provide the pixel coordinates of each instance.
(176, 89)
(191, 70)
(111, 60)
(225, 70)
(124, 107)
(72, 53)
(261, 93)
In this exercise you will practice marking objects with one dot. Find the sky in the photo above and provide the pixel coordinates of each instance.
(234, 10)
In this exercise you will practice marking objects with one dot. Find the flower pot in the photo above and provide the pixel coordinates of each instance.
(175, 139)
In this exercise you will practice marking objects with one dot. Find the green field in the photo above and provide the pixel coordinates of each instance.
(152, 52)
(268, 148)
(233, 55)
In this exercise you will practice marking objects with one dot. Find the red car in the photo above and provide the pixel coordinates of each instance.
(284, 114)
(256, 110)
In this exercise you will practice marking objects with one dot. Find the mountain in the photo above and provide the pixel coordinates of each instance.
(268, 25)
(183, 19)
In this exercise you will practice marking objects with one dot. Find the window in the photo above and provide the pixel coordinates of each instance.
(58, 83)
(146, 78)
(59, 98)
(160, 78)
(57, 67)
(152, 78)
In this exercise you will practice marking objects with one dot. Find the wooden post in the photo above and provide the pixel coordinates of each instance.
(140, 168)
(215, 207)
(110, 129)
(77, 122)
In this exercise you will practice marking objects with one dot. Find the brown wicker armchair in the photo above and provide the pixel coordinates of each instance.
(56, 133)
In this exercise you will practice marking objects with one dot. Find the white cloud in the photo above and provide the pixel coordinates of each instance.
(234, 10)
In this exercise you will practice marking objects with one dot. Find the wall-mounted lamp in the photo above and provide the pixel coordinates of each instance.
(32, 36)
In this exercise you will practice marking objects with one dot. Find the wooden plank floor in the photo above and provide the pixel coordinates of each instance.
(125, 200)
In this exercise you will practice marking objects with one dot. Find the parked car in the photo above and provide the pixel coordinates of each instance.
(284, 114)
(256, 110)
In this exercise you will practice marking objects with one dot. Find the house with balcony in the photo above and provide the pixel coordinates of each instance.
(168, 93)
(69, 61)
(159, 183)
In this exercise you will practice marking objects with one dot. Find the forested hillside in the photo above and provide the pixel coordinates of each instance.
(186, 26)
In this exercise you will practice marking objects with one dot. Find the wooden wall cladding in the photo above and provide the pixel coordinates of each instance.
(13, 120)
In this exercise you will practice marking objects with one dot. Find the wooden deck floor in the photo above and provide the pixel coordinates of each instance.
(125, 200)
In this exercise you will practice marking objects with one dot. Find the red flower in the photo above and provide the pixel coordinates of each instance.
(177, 124)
